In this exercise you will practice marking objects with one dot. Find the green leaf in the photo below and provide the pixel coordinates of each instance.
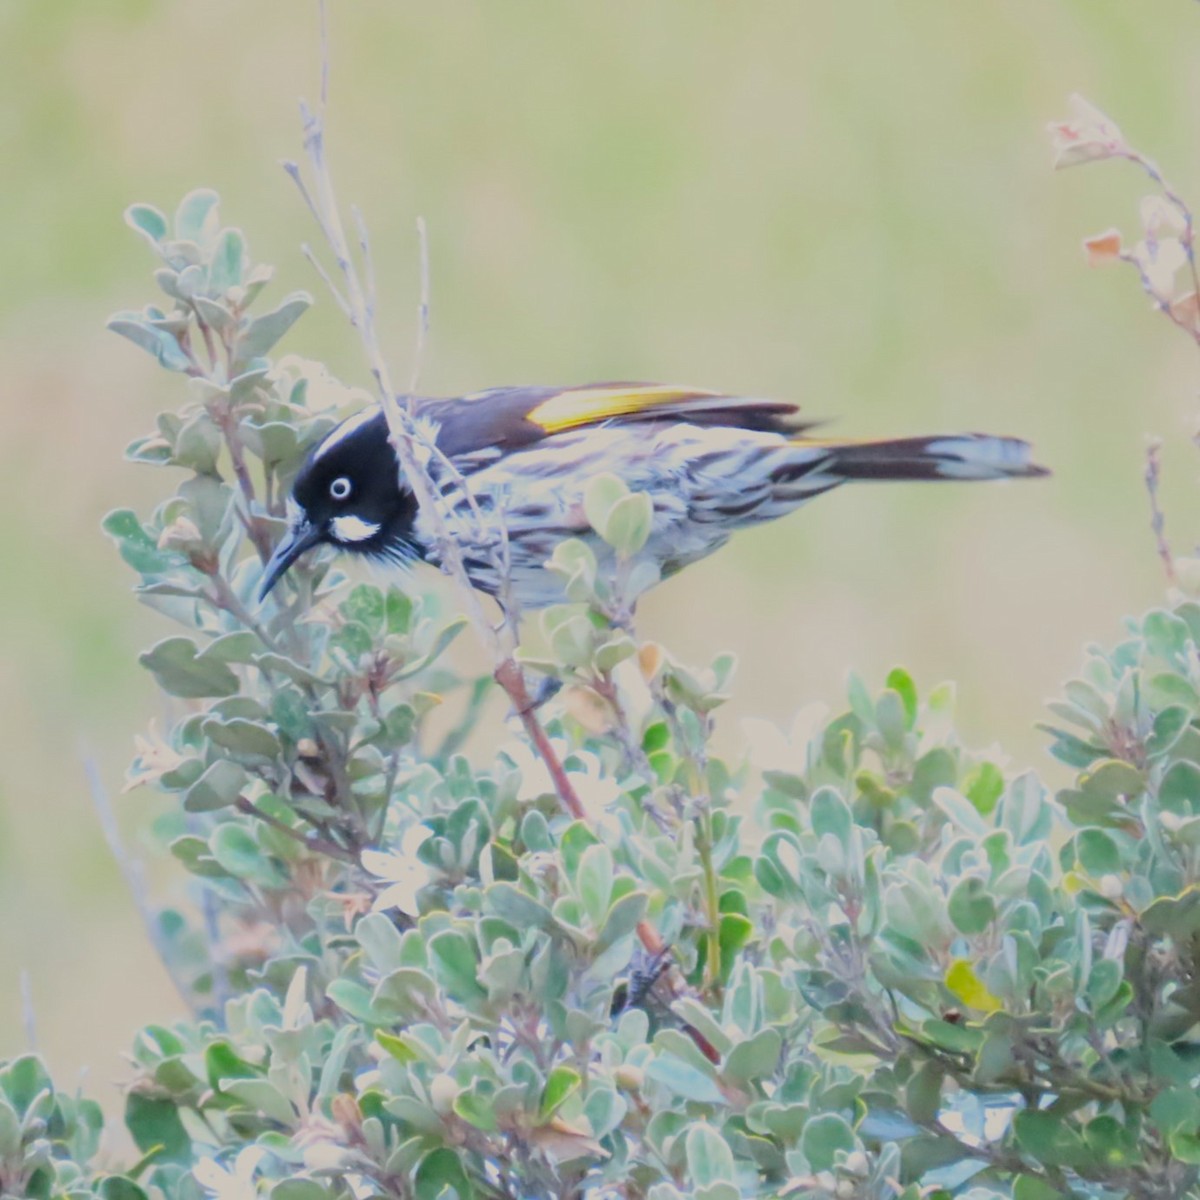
(594, 882)
(218, 787)
(622, 919)
(602, 493)
(453, 960)
(300, 1189)
(137, 547)
(155, 1126)
(222, 1062)
(398, 609)
(24, 1079)
(261, 1096)
(439, 1170)
(891, 718)
(263, 332)
(398, 1046)
(119, 1187)
(923, 1093)
(242, 738)
(961, 811)
(162, 345)
(900, 681)
(969, 988)
(709, 1158)
(971, 906)
(983, 786)
(1033, 1187)
(1097, 852)
(629, 522)
(1047, 1136)
(561, 1083)
(1168, 728)
(755, 1059)
(518, 908)
(735, 931)
(181, 671)
(683, 1079)
(228, 261)
(195, 213)
(830, 814)
(236, 850)
(477, 1110)
(1179, 791)
(437, 648)
(365, 605)
(823, 1137)
(148, 221)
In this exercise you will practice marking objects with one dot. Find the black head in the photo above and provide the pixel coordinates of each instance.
(348, 495)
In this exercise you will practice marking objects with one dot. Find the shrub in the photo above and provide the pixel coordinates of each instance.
(860, 960)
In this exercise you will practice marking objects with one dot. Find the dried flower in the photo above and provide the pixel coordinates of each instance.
(1086, 136)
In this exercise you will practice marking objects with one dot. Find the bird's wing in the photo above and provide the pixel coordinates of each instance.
(514, 417)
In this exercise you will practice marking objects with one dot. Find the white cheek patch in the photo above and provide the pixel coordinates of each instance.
(345, 429)
(353, 529)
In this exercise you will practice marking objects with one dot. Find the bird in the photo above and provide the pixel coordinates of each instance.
(521, 458)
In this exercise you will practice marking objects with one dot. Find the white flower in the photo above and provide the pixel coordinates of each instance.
(405, 873)
(1086, 136)
(297, 1012)
(597, 792)
(236, 1183)
(769, 748)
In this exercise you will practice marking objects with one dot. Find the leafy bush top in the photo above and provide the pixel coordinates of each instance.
(863, 962)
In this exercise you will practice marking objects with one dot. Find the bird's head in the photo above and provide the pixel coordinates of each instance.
(348, 495)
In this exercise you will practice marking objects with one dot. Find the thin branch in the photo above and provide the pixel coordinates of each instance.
(1157, 520)
(405, 434)
(423, 309)
(318, 845)
(327, 279)
(135, 876)
(1181, 207)
(28, 1014)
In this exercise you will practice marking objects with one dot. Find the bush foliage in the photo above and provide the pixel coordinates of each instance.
(859, 961)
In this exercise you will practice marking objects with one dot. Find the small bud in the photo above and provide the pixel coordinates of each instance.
(1111, 887)
(182, 535)
(442, 1090)
(345, 1110)
(857, 1164)
(651, 659)
(628, 1078)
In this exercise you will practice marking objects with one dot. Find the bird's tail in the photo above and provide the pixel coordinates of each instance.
(957, 456)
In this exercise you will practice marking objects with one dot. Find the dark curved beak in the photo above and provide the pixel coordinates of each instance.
(299, 538)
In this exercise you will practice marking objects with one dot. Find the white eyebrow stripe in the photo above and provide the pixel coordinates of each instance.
(354, 529)
(345, 429)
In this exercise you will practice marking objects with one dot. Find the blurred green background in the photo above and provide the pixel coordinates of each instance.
(846, 203)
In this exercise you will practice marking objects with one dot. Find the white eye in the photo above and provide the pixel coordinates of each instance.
(339, 489)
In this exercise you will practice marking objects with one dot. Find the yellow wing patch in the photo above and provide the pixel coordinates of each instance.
(589, 405)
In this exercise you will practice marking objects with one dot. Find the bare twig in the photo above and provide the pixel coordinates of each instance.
(1172, 196)
(406, 435)
(318, 845)
(1157, 520)
(28, 1015)
(423, 311)
(134, 874)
